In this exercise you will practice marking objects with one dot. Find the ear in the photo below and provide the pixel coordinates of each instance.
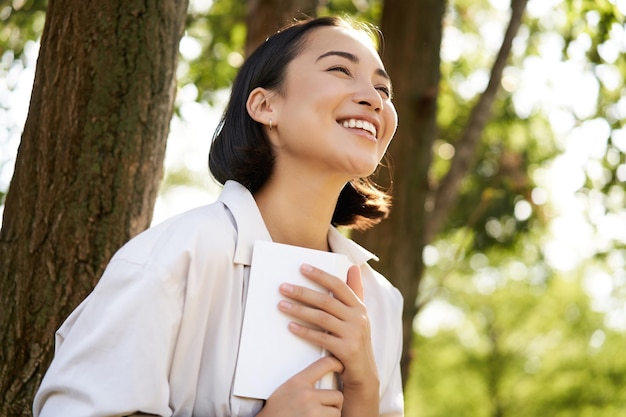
(259, 106)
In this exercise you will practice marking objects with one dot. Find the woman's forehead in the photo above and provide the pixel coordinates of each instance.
(338, 38)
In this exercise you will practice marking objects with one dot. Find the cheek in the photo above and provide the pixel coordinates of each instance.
(393, 114)
(391, 121)
(382, 149)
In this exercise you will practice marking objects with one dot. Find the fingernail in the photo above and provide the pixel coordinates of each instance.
(286, 287)
(284, 305)
(307, 268)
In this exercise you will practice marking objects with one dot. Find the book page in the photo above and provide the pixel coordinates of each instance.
(269, 354)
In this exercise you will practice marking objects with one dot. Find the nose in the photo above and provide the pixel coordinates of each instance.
(369, 96)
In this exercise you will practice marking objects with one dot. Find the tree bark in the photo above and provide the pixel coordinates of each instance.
(87, 169)
(413, 33)
(264, 17)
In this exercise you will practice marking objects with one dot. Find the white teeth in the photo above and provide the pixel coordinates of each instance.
(360, 124)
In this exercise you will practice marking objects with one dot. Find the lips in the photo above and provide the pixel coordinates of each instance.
(359, 124)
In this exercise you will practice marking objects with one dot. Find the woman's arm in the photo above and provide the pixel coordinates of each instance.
(113, 351)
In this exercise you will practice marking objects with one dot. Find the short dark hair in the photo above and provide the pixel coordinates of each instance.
(241, 151)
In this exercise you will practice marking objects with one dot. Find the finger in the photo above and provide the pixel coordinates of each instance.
(314, 372)
(320, 310)
(314, 325)
(331, 398)
(325, 340)
(336, 286)
(355, 282)
(313, 298)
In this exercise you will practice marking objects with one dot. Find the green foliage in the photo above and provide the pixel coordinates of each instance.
(515, 145)
(525, 342)
(601, 32)
(220, 35)
(22, 21)
(363, 10)
(518, 338)
(510, 145)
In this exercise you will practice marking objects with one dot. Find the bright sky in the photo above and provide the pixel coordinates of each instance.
(562, 89)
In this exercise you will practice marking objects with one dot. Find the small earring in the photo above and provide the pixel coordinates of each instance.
(270, 124)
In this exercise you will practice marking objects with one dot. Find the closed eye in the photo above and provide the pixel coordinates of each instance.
(340, 68)
(385, 90)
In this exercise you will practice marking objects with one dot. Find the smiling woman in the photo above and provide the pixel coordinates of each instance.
(241, 150)
(309, 119)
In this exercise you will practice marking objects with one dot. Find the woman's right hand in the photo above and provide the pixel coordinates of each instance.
(299, 397)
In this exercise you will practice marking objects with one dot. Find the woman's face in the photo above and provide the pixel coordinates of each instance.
(334, 114)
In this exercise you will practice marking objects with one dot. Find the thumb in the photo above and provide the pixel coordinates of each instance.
(314, 372)
(355, 282)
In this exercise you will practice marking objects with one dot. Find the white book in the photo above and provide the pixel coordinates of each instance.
(269, 354)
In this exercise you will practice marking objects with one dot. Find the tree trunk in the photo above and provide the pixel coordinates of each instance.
(87, 169)
(264, 17)
(413, 33)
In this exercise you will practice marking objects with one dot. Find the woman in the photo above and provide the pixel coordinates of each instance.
(309, 119)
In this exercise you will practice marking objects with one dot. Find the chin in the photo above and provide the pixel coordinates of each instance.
(366, 172)
(362, 167)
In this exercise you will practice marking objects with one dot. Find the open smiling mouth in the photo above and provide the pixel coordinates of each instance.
(359, 124)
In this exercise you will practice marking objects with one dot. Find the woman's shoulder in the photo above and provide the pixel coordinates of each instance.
(380, 288)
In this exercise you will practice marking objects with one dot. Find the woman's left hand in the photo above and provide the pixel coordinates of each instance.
(343, 326)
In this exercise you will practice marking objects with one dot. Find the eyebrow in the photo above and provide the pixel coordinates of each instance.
(354, 59)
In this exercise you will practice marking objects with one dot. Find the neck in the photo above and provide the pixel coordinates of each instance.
(298, 212)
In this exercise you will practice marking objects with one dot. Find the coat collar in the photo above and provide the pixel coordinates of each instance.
(251, 227)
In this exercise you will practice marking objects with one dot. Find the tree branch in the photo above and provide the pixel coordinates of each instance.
(448, 191)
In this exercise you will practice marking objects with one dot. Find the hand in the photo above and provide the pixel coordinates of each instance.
(299, 397)
(342, 317)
